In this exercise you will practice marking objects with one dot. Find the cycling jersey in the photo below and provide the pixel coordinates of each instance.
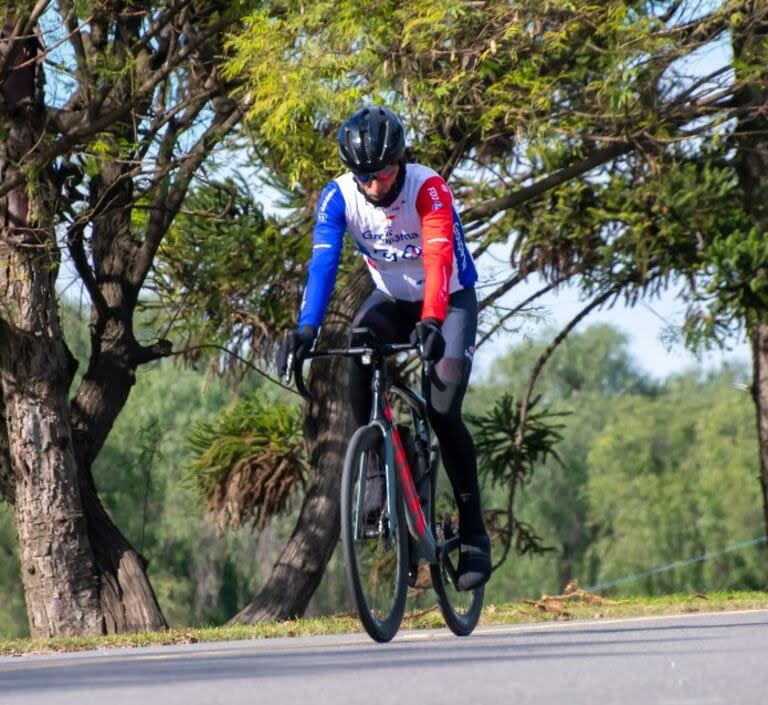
(414, 247)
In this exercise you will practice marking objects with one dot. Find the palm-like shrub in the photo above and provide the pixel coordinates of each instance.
(507, 459)
(249, 461)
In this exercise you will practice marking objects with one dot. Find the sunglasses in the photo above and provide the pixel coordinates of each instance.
(382, 174)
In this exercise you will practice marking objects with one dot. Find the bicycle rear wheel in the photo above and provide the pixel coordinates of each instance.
(375, 555)
(460, 608)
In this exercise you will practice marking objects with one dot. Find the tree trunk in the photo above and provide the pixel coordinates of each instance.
(7, 483)
(79, 572)
(751, 136)
(328, 426)
(127, 598)
(128, 601)
(35, 372)
(759, 336)
(36, 368)
(56, 558)
(760, 396)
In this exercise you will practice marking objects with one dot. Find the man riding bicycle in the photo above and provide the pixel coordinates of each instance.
(403, 221)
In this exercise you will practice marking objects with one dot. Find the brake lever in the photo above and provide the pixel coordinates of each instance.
(288, 375)
(298, 379)
(288, 369)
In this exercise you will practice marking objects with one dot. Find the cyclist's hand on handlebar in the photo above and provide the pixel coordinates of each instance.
(294, 349)
(429, 337)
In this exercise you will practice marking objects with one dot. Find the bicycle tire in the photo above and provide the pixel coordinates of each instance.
(378, 587)
(460, 609)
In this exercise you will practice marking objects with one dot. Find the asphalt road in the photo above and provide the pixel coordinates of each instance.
(702, 659)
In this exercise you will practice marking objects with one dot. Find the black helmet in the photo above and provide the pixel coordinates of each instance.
(370, 139)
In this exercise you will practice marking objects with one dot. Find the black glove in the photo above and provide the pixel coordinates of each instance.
(297, 344)
(428, 336)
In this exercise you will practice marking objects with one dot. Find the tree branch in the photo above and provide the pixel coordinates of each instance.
(595, 159)
(34, 16)
(14, 36)
(520, 307)
(502, 289)
(165, 212)
(76, 247)
(192, 108)
(559, 338)
(69, 17)
(703, 29)
(162, 20)
(89, 127)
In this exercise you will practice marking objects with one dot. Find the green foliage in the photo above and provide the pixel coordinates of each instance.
(506, 462)
(677, 474)
(499, 452)
(647, 473)
(642, 226)
(504, 93)
(424, 61)
(250, 461)
(13, 613)
(228, 274)
(735, 287)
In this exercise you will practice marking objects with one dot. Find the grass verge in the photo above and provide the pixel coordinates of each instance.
(576, 604)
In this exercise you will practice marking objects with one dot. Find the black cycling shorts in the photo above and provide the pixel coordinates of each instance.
(393, 321)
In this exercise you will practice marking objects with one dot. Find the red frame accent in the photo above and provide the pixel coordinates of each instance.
(406, 476)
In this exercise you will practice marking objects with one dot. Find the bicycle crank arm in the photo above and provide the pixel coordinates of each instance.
(443, 551)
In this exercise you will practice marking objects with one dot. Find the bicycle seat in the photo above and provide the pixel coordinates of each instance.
(364, 338)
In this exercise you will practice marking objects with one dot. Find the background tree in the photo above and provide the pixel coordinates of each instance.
(514, 101)
(650, 472)
(579, 382)
(676, 470)
(97, 162)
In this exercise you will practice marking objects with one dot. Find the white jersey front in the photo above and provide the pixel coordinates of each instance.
(415, 238)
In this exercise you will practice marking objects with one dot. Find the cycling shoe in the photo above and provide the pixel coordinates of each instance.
(474, 561)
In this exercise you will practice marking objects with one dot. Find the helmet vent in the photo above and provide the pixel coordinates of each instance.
(370, 139)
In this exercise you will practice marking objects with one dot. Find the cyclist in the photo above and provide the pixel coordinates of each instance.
(403, 221)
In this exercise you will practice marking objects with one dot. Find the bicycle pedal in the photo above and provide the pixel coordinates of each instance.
(448, 527)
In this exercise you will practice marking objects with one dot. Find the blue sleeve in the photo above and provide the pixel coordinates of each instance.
(327, 239)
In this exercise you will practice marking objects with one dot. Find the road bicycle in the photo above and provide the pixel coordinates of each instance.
(386, 542)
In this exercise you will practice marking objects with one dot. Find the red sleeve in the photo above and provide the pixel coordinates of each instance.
(434, 204)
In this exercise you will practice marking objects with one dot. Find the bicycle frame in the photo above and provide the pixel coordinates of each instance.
(397, 468)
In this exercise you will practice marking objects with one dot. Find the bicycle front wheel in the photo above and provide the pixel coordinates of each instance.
(375, 546)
